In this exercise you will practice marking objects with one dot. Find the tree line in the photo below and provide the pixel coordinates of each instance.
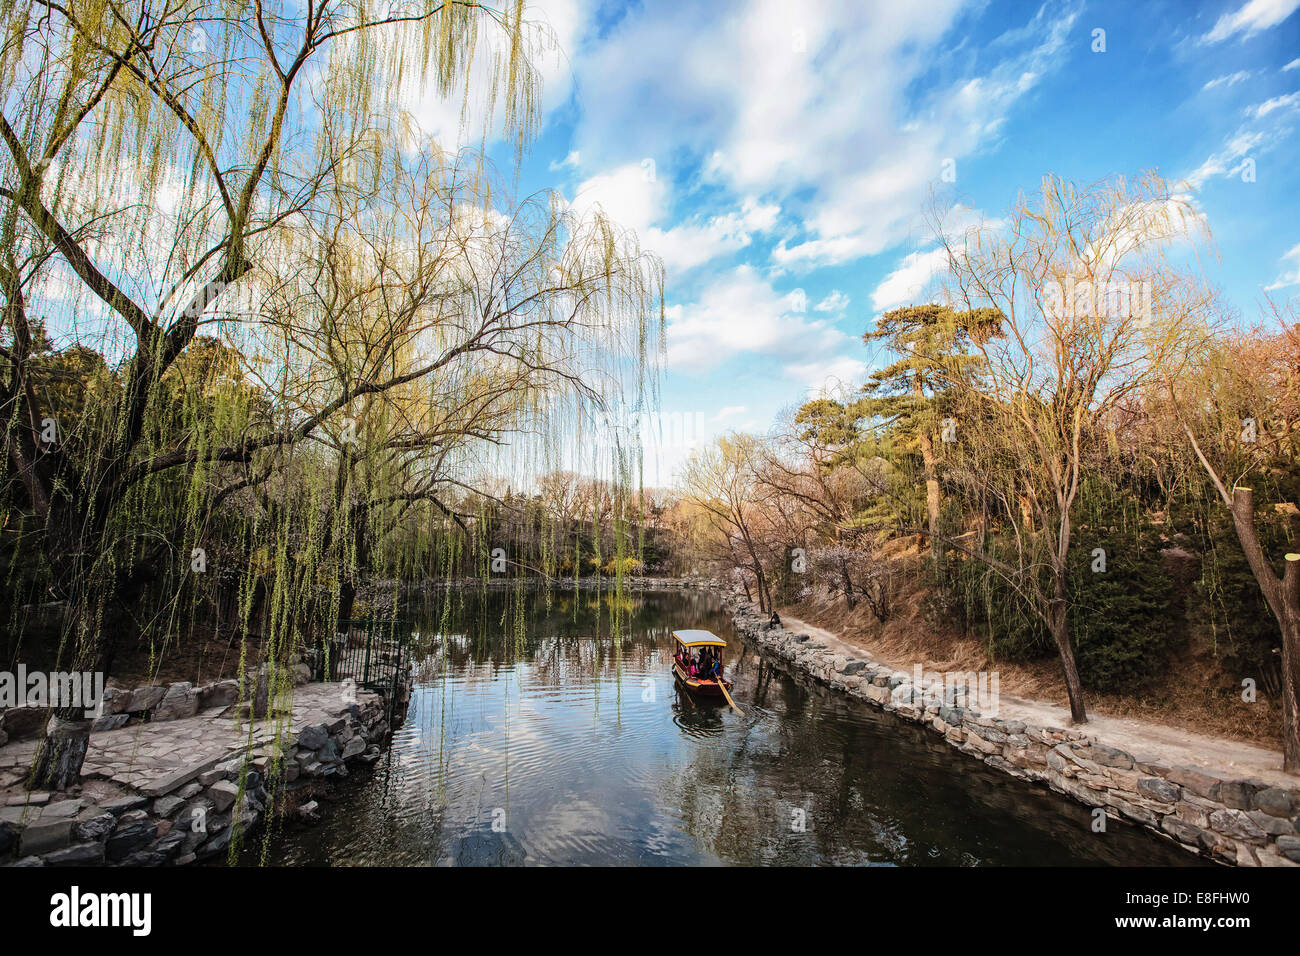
(1076, 405)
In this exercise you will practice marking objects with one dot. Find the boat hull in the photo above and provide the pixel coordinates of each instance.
(701, 688)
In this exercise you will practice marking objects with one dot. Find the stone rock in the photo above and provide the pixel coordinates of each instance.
(1109, 756)
(145, 698)
(1158, 789)
(166, 806)
(81, 854)
(1133, 811)
(1274, 826)
(313, 738)
(1274, 801)
(309, 810)
(1193, 814)
(180, 701)
(8, 837)
(215, 845)
(208, 777)
(221, 694)
(114, 701)
(1235, 823)
(42, 837)
(128, 839)
(125, 804)
(1289, 847)
(1238, 794)
(169, 843)
(109, 722)
(1200, 783)
(223, 794)
(95, 828)
(22, 722)
(329, 753)
(355, 746)
(1182, 831)
(63, 810)
(191, 789)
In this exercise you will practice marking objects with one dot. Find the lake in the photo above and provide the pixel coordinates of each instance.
(553, 735)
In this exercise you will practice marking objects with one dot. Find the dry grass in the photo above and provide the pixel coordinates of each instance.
(200, 657)
(1194, 693)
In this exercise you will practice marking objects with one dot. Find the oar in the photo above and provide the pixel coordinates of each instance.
(723, 687)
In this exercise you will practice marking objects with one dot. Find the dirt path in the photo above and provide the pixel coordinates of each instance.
(1146, 740)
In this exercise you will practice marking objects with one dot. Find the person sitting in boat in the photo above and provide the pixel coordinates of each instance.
(707, 662)
(715, 669)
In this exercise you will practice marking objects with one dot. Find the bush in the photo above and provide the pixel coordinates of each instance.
(1245, 633)
(1123, 621)
(1120, 620)
(628, 566)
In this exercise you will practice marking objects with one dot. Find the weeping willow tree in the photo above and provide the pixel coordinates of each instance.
(184, 173)
(439, 332)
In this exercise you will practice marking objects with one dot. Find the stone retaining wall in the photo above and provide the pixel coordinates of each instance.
(630, 583)
(193, 814)
(1243, 822)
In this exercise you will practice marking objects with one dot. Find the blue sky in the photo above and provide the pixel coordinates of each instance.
(779, 156)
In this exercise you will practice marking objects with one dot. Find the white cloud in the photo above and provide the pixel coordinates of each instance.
(909, 279)
(637, 198)
(837, 301)
(1293, 65)
(571, 161)
(1286, 101)
(1254, 17)
(774, 100)
(741, 313)
(1228, 79)
(1228, 160)
(1291, 274)
(827, 375)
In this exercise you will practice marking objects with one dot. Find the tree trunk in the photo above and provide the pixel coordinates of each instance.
(931, 488)
(347, 598)
(63, 751)
(931, 480)
(847, 582)
(1283, 599)
(764, 598)
(1291, 665)
(1059, 625)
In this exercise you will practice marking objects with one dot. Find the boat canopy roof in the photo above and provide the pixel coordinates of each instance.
(698, 638)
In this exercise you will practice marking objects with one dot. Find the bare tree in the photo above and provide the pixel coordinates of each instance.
(1236, 402)
(1091, 305)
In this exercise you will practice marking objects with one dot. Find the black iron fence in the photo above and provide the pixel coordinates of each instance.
(372, 652)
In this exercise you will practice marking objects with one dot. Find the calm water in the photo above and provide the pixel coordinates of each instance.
(540, 737)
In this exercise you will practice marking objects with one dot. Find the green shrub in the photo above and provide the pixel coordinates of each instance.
(1122, 620)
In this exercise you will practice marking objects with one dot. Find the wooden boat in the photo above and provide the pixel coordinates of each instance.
(695, 640)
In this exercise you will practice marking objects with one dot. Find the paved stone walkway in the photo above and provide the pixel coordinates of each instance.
(157, 758)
